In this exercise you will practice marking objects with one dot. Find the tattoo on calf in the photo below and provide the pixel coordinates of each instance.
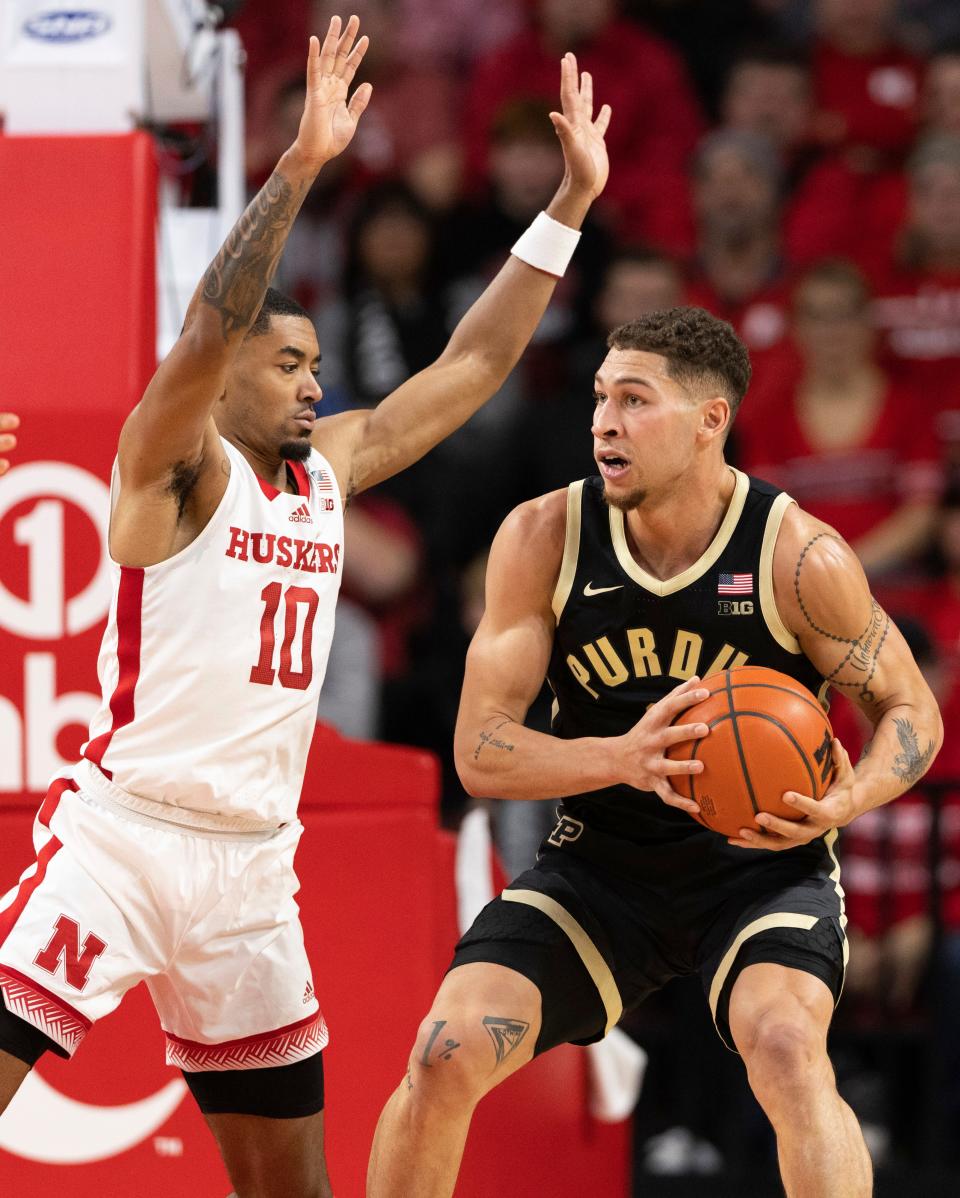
(910, 764)
(863, 651)
(237, 279)
(507, 1034)
(444, 1052)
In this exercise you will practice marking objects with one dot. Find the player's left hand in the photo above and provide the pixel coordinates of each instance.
(8, 422)
(584, 150)
(835, 810)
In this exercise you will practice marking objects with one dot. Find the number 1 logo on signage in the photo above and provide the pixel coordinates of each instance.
(264, 671)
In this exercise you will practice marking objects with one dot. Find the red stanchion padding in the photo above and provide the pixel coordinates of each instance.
(77, 348)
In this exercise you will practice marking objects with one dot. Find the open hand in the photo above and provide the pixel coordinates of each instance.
(835, 810)
(643, 762)
(8, 422)
(584, 150)
(329, 121)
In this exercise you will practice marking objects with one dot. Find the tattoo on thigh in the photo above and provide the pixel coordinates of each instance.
(445, 1051)
(911, 763)
(506, 1034)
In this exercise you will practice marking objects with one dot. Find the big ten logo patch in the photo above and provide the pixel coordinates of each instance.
(54, 594)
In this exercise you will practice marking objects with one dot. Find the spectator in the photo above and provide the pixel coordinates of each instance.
(867, 85)
(525, 167)
(918, 305)
(710, 36)
(851, 445)
(739, 271)
(657, 119)
(413, 132)
(456, 33)
(941, 90)
(769, 92)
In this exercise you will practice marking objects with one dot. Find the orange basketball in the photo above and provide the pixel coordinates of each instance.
(768, 734)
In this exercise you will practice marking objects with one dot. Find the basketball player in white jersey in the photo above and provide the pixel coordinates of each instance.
(167, 853)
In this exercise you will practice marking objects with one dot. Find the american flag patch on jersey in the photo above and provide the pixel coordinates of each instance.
(735, 584)
(322, 479)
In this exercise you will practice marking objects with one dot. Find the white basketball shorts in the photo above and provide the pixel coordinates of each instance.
(207, 919)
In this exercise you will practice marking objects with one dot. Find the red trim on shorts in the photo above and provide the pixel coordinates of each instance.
(129, 627)
(52, 799)
(34, 1004)
(283, 1046)
(10, 915)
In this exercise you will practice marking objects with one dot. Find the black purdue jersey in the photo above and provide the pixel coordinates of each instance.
(624, 639)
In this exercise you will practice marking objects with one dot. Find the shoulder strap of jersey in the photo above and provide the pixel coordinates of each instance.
(571, 549)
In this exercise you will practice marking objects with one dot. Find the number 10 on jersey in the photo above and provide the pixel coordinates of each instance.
(264, 672)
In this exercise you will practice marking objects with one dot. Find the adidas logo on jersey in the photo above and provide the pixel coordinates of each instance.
(308, 992)
(301, 515)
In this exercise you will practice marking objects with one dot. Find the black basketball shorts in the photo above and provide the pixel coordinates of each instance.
(596, 943)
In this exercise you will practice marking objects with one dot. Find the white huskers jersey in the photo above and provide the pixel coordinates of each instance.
(212, 661)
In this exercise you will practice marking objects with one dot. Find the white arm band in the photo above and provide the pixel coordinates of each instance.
(547, 245)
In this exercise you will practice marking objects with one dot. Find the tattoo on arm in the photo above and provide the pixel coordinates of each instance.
(863, 651)
(237, 279)
(910, 764)
(445, 1052)
(507, 1034)
(489, 738)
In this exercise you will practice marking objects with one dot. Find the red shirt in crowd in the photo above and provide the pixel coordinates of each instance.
(871, 98)
(852, 489)
(918, 314)
(655, 127)
(761, 321)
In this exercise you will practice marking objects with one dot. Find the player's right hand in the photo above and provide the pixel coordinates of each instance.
(329, 121)
(8, 422)
(642, 750)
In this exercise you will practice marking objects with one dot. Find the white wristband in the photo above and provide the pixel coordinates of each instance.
(547, 245)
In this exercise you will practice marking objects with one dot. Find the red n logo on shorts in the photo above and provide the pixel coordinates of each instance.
(65, 944)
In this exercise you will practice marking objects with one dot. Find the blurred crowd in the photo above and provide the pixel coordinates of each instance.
(791, 165)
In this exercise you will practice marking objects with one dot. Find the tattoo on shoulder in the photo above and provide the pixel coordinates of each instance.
(910, 763)
(237, 278)
(507, 1034)
(859, 662)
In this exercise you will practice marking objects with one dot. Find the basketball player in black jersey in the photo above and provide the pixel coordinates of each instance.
(618, 590)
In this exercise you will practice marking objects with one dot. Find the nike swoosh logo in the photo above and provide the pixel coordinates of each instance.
(590, 589)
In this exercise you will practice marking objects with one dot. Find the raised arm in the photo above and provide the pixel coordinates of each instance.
(172, 423)
(8, 422)
(824, 599)
(496, 756)
(490, 338)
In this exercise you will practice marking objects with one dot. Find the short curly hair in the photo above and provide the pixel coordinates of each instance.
(700, 350)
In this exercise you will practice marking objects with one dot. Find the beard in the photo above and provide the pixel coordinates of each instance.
(625, 503)
(295, 451)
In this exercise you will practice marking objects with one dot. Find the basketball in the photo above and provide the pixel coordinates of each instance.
(768, 734)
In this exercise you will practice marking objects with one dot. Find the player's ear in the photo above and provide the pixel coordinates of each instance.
(715, 417)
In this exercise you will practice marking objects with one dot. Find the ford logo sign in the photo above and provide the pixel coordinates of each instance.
(67, 25)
